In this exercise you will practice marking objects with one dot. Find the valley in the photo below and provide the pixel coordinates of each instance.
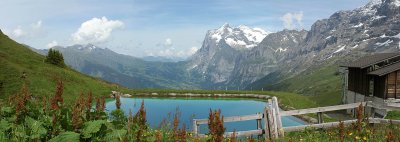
(242, 58)
(298, 84)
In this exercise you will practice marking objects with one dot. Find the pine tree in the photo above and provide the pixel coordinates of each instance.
(55, 57)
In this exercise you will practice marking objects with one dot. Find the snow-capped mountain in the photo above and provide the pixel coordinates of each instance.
(236, 57)
(215, 60)
(346, 35)
(241, 37)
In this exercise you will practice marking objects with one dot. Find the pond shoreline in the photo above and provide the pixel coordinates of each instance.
(305, 118)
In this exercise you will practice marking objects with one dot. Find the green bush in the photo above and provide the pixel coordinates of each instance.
(55, 57)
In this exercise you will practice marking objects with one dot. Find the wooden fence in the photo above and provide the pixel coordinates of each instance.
(272, 122)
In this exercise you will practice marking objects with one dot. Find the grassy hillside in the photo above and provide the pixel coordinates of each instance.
(16, 59)
(321, 84)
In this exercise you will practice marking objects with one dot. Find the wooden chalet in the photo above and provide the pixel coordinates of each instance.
(373, 78)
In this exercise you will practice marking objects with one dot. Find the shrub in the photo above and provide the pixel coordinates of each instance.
(55, 57)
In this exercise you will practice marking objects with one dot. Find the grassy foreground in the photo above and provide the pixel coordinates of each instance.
(32, 118)
(361, 131)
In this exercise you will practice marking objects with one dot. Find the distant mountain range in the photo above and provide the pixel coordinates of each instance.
(162, 59)
(126, 70)
(19, 65)
(249, 58)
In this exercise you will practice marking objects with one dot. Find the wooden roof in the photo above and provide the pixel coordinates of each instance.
(386, 70)
(367, 61)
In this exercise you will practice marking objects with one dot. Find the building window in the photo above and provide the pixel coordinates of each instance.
(391, 85)
(371, 87)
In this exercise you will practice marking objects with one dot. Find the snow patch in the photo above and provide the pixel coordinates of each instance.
(280, 49)
(217, 37)
(359, 25)
(370, 7)
(386, 43)
(328, 37)
(193, 67)
(397, 36)
(396, 3)
(340, 49)
(378, 17)
(355, 46)
(255, 35)
(233, 42)
(251, 45)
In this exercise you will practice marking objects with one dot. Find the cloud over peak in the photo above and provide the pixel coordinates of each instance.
(52, 44)
(293, 20)
(96, 30)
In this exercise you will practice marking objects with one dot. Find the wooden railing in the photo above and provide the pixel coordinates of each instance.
(258, 117)
(273, 128)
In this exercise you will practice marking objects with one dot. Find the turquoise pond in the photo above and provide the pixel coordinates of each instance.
(159, 109)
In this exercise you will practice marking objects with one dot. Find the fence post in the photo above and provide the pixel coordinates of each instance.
(259, 126)
(278, 117)
(267, 132)
(195, 131)
(320, 119)
(272, 120)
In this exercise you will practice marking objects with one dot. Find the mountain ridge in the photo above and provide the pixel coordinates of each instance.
(229, 60)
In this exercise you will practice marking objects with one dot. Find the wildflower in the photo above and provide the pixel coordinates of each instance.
(359, 113)
(118, 101)
(364, 138)
(350, 133)
(357, 137)
(341, 131)
(58, 100)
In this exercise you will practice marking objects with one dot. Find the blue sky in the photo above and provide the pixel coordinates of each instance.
(151, 27)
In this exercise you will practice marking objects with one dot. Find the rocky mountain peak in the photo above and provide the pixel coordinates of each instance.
(241, 37)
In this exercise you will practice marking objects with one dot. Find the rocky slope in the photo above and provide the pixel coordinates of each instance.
(344, 36)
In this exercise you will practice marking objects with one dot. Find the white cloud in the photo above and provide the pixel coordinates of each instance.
(34, 31)
(96, 30)
(293, 20)
(192, 50)
(18, 32)
(52, 44)
(37, 25)
(172, 52)
(168, 43)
